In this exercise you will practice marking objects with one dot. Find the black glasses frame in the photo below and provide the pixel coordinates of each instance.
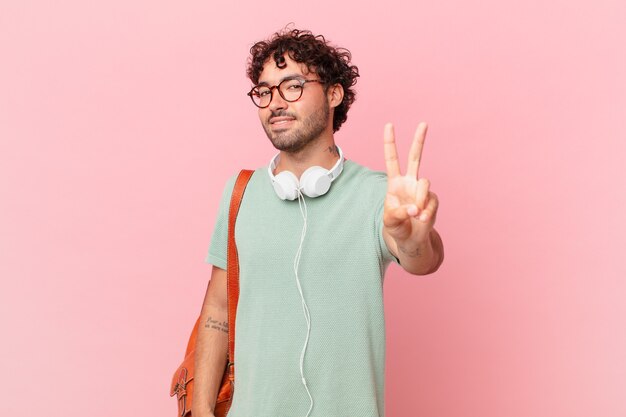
(277, 87)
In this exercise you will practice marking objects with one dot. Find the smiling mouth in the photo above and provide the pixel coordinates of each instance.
(278, 121)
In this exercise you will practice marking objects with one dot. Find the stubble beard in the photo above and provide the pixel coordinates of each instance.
(295, 140)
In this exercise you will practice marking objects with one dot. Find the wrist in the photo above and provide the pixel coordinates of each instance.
(418, 257)
(412, 247)
(202, 412)
(408, 250)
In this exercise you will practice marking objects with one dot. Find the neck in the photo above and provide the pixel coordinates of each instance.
(322, 153)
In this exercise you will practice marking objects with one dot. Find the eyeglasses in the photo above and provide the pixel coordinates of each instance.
(289, 89)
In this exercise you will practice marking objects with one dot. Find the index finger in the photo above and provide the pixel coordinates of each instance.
(415, 153)
(391, 153)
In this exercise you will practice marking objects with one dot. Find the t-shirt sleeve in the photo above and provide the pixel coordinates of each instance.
(219, 239)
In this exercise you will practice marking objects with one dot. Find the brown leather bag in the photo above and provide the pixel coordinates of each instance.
(182, 381)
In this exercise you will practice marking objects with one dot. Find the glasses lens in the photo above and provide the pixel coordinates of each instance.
(261, 96)
(291, 89)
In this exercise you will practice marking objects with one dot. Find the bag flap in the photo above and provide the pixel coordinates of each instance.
(182, 376)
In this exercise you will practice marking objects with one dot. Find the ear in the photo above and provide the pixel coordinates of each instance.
(335, 95)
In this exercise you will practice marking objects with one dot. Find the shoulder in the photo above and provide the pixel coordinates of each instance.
(229, 186)
(362, 172)
(256, 182)
(362, 179)
(256, 174)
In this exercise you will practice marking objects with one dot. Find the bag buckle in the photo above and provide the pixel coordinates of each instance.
(180, 389)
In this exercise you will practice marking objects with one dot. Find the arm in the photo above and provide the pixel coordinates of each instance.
(410, 209)
(422, 258)
(211, 345)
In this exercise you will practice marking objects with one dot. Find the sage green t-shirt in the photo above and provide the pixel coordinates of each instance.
(341, 270)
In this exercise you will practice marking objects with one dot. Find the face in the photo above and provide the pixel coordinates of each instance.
(290, 126)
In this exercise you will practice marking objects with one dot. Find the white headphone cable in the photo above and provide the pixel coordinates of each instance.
(305, 308)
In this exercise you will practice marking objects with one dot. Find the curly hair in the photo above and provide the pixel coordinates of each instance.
(332, 64)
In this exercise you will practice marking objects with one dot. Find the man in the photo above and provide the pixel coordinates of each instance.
(310, 337)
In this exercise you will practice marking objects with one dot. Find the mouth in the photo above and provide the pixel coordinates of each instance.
(281, 121)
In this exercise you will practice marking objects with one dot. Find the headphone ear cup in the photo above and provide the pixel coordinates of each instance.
(286, 185)
(314, 181)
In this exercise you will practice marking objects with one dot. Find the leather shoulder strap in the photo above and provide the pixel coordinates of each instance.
(232, 260)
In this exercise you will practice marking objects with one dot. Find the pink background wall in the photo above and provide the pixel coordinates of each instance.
(121, 120)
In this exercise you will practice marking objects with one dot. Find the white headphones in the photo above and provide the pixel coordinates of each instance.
(314, 182)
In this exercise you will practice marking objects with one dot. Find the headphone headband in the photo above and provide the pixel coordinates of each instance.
(332, 173)
(315, 181)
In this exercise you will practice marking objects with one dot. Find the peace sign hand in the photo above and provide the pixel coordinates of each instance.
(410, 207)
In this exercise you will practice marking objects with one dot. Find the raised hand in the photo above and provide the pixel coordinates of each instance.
(410, 207)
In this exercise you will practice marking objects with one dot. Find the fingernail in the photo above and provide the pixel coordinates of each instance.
(423, 217)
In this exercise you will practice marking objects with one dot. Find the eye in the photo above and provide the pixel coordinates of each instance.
(292, 85)
(262, 92)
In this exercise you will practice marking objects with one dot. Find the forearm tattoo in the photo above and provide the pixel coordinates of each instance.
(217, 325)
(410, 253)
